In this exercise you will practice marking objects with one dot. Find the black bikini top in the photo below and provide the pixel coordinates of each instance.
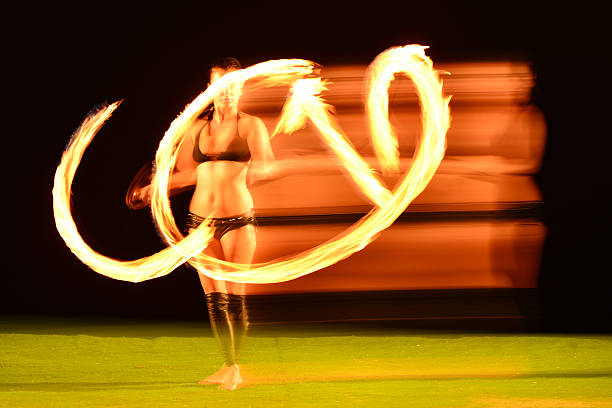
(238, 149)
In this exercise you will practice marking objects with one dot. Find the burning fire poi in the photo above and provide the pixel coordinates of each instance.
(303, 103)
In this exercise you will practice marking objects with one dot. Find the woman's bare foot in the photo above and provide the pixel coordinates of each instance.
(216, 378)
(232, 378)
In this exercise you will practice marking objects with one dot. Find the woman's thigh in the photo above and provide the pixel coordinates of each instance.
(209, 284)
(239, 247)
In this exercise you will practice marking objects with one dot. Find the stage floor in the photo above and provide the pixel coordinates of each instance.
(78, 362)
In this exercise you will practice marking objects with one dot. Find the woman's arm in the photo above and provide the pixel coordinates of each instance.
(262, 158)
(184, 175)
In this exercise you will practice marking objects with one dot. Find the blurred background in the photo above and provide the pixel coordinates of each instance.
(510, 233)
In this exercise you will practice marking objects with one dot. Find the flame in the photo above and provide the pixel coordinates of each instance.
(153, 266)
(304, 103)
(165, 261)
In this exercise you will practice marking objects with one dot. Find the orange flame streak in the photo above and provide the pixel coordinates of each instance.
(380, 74)
(304, 103)
(153, 266)
(273, 73)
(167, 260)
(412, 61)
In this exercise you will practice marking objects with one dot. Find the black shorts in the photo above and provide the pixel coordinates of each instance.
(221, 225)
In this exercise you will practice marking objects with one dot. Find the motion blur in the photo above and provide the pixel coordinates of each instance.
(475, 226)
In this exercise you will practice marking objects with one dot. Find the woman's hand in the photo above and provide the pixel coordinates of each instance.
(251, 177)
(143, 194)
(258, 173)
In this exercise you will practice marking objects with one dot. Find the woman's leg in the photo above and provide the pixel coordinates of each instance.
(210, 285)
(217, 302)
(239, 247)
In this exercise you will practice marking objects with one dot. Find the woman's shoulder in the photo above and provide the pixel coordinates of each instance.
(247, 121)
(199, 123)
(250, 126)
(196, 126)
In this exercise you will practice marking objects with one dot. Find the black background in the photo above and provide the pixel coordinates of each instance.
(155, 56)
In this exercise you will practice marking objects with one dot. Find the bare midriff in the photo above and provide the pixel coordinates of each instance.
(221, 187)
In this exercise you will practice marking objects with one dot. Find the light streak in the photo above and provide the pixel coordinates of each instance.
(138, 270)
(303, 103)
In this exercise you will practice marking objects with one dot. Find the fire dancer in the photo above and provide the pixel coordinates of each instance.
(223, 153)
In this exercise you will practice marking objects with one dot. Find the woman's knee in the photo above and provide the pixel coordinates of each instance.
(212, 285)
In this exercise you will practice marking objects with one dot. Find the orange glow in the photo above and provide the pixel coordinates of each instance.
(304, 102)
(409, 256)
(467, 229)
(165, 261)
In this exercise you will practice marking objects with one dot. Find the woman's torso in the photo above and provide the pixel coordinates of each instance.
(222, 153)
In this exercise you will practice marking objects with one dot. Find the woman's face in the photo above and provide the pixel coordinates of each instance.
(229, 96)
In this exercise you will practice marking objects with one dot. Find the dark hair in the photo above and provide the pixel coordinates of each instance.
(225, 63)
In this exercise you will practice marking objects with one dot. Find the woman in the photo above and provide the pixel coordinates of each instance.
(221, 156)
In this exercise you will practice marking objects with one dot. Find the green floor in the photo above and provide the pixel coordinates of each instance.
(94, 363)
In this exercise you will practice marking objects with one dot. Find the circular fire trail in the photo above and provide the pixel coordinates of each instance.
(304, 103)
